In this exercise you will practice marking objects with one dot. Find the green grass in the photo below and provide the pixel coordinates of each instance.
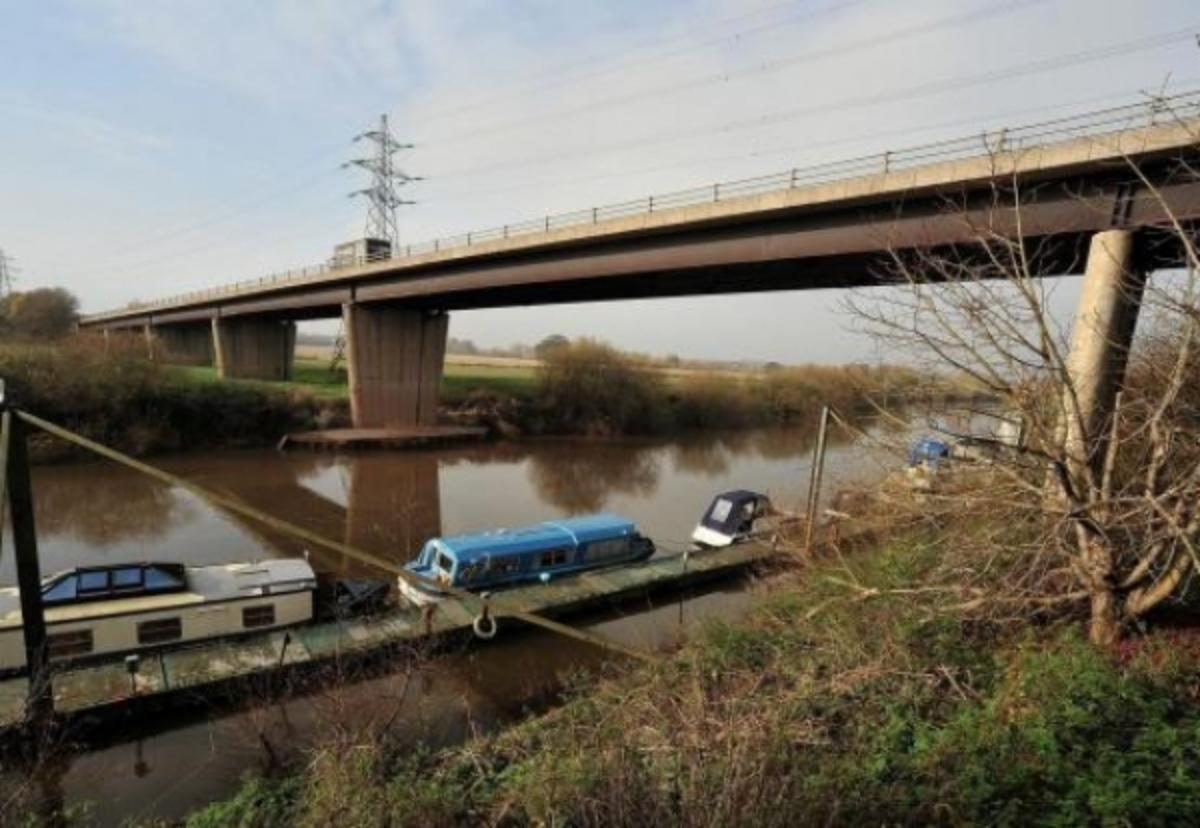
(315, 377)
(821, 707)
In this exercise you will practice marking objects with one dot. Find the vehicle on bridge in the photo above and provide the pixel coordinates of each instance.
(507, 557)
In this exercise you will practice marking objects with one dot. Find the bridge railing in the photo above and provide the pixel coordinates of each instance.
(1094, 124)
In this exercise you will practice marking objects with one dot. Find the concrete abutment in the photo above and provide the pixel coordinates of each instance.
(254, 348)
(395, 356)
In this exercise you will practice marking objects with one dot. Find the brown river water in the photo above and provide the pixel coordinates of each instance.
(387, 503)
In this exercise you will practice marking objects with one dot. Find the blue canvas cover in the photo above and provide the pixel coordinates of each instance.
(928, 450)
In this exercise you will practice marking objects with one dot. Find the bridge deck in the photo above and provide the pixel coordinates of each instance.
(504, 258)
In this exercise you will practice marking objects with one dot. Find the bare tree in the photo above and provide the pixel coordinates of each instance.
(1100, 505)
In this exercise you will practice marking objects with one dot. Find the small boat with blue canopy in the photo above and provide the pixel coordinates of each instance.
(507, 557)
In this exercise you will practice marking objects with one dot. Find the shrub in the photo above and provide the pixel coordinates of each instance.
(589, 387)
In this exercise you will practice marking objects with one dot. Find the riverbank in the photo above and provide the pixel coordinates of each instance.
(851, 695)
(111, 393)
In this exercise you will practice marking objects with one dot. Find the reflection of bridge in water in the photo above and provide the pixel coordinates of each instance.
(389, 509)
(389, 504)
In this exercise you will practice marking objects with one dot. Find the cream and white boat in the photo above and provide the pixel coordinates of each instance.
(126, 608)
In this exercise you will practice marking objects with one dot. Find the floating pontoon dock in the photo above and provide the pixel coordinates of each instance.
(183, 675)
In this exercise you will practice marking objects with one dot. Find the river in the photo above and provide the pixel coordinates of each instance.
(386, 503)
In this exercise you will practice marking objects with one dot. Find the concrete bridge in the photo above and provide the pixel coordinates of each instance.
(1104, 177)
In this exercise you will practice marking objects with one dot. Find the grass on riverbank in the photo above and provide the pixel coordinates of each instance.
(848, 697)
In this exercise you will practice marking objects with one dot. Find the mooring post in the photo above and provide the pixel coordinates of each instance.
(814, 481)
(39, 709)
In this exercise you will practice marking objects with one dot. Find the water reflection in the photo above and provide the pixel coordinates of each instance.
(84, 505)
(576, 482)
(387, 504)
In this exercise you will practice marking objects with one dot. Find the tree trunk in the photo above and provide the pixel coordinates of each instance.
(1105, 626)
(1097, 564)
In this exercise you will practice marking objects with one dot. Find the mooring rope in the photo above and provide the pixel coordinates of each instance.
(491, 604)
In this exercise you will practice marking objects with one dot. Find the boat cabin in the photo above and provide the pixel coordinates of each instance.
(732, 517)
(487, 560)
(119, 609)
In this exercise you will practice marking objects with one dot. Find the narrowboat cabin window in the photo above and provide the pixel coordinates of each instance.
(555, 557)
(263, 616)
(607, 550)
(159, 631)
(68, 644)
(445, 563)
(113, 582)
(93, 582)
(504, 566)
(127, 579)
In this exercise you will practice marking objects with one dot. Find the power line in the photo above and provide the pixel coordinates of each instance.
(552, 78)
(841, 141)
(876, 98)
(766, 67)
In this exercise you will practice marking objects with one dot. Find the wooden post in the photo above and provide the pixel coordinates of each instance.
(814, 481)
(40, 706)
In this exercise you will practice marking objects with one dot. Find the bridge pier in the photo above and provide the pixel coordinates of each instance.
(395, 357)
(1101, 337)
(185, 344)
(254, 348)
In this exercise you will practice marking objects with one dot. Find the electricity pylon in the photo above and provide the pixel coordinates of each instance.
(6, 273)
(386, 180)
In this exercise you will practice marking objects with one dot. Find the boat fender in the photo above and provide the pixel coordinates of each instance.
(484, 626)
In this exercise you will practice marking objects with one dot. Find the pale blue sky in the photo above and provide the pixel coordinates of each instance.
(150, 147)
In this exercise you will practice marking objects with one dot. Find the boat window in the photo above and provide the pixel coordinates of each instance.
(93, 581)
(721, 510)
(445, 563)
(261, 616)
(504, 566)
(160, 631)
(607, 550)
(128, 578)
(555, 557)
(62, 591)
(158, 578)
(67, 644)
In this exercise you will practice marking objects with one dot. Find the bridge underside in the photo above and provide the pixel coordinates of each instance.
(396, 313)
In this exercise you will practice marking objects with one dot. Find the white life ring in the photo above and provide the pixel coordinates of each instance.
(484, 627)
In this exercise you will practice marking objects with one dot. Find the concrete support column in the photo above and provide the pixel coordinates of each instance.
(1101, 337)
(254, 348)
(190, 344)
(150, 340)
(395, 357)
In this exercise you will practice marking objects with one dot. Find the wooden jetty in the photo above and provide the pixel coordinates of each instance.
(177, 676)
(383, 438)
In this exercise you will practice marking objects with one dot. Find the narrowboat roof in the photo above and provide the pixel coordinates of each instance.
(568, 532)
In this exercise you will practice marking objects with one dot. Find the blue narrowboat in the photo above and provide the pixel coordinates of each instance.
(506, 557)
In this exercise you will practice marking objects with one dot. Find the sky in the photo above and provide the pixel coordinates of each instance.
(153, 147)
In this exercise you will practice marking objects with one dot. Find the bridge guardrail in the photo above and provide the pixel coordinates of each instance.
(1094, 124)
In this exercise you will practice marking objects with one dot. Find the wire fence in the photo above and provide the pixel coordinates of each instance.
(1094, 124)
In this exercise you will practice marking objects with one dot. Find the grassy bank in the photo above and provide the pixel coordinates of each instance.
(112, 394)
(850, 696)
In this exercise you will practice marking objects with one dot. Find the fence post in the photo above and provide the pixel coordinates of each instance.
(39, 710)
(814, 481)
